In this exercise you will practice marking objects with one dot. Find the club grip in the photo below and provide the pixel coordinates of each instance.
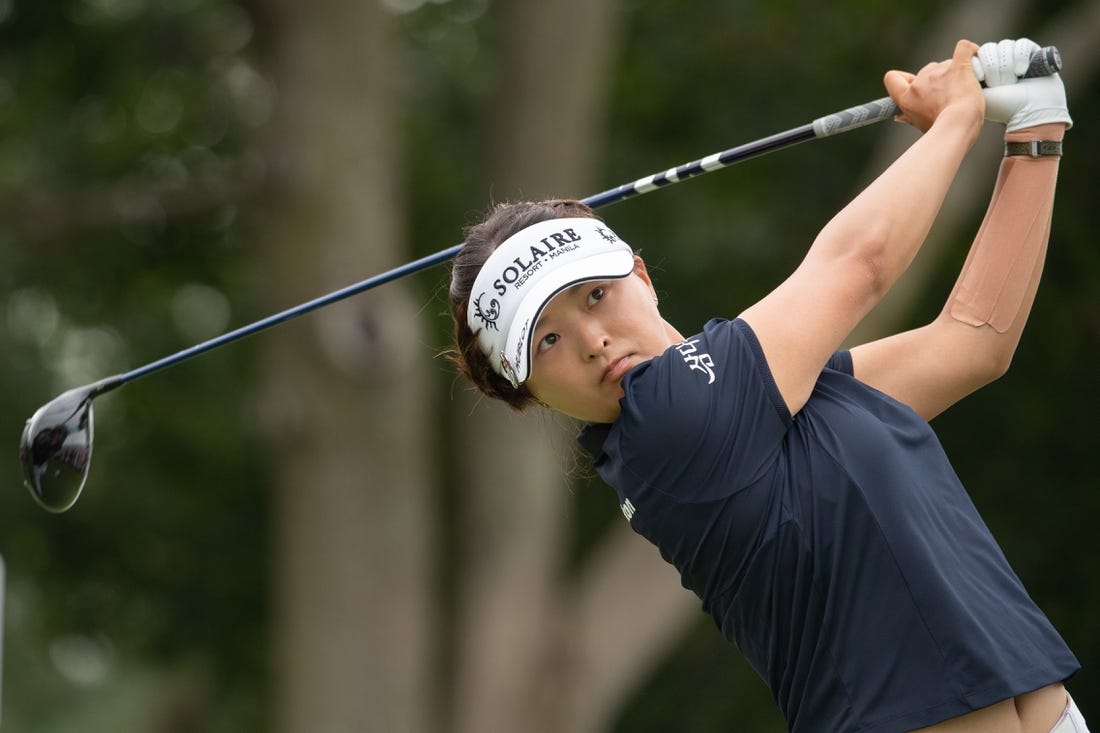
(1044, 62)
(853, 117)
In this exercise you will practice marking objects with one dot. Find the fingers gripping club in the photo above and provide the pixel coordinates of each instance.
(1044, 62)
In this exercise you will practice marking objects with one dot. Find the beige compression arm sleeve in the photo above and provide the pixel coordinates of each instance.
(998, 281)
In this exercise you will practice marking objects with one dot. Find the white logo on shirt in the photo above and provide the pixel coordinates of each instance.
(628, 510)
(696, 361)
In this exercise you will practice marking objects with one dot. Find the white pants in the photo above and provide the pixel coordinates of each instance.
(1071, 721)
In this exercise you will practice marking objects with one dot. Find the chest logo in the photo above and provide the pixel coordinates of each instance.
(704, 363)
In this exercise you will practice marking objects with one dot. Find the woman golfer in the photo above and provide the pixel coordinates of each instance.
(797, 488)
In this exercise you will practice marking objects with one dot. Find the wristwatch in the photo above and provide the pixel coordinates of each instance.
(1034, 148)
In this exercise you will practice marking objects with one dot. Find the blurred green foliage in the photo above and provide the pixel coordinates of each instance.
(129, 151)
(122, 124)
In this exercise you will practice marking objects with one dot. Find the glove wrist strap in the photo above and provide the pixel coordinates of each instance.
(1034, 148)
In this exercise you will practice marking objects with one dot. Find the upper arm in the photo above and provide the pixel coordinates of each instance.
(856, 258)
(932, 367)
(803, 322)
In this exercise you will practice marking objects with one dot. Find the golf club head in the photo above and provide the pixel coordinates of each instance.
(56, 449)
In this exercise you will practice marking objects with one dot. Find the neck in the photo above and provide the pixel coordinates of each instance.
(674, 336)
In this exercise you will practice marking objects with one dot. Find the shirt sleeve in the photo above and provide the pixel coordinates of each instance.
(704, 419)
(841, 362)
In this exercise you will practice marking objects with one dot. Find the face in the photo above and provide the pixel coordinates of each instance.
(589, 337)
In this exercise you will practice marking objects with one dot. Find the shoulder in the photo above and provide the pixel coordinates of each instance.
(722, 368)
(723, 362)
(691, 372)
(705, 405)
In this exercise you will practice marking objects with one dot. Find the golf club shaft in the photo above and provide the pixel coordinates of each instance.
(1045, 62)
(642, 185)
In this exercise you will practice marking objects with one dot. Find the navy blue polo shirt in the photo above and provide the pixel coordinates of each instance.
(837, 549)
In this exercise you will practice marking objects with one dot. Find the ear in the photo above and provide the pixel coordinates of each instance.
(640, 271)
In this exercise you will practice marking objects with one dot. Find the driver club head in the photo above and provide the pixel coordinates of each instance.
(56, 447)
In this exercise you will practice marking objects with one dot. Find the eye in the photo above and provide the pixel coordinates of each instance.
(595, 295)
(547, 341)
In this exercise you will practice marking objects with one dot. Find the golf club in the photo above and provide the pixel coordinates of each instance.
(56, 447)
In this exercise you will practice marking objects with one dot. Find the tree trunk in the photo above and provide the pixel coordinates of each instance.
(345, 390)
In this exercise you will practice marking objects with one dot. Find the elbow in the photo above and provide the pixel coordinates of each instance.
(873, 276)
(990, 354)
(879, 279)
(976, 353)
(870, 252)
(987, 368)
(861, 260)
(980, 370)
(998, 363)
(993, 350)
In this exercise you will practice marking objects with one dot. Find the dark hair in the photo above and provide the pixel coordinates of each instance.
(482, 239)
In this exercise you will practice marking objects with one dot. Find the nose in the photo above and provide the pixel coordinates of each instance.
(594, 340)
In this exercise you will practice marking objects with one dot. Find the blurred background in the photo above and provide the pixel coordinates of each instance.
(320, 528)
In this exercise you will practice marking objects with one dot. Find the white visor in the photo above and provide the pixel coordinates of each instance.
(525, 273)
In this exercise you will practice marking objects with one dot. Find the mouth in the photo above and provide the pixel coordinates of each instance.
(616, 369)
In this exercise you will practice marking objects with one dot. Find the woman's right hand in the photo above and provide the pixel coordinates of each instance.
(923, 97)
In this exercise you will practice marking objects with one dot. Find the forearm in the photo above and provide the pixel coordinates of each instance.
(972, 341)
(997, 285)
(889, 221)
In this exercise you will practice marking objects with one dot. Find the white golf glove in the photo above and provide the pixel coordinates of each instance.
(1019, 103)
